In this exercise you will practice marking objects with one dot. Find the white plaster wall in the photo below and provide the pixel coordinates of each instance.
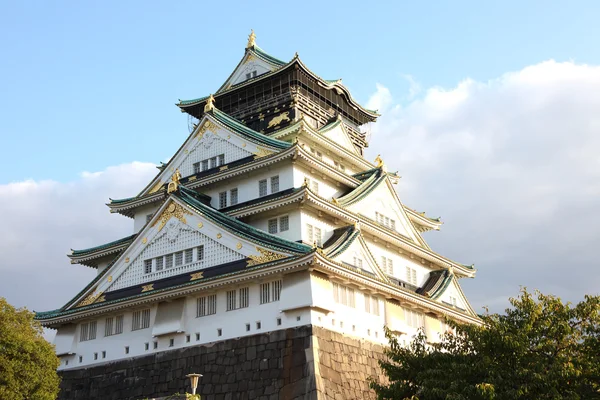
(329, 157)
(312, 219)
(139, 219)
(400, 262)
(327, 188)
(248, 184)
(293, 234)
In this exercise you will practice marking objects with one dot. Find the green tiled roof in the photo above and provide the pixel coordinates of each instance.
(368, 185)
(267, 57)
(127, 239)
(247, 132)
(436, 284)
(341, 239)
(117, 201)
(240, 228)
(192, 101)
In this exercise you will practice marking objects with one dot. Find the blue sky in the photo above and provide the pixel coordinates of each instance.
(489, 113)
(86, 85)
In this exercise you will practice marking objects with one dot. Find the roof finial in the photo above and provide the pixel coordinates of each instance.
(379, 161)
(174, 184)
(251, 39)
(210, 103)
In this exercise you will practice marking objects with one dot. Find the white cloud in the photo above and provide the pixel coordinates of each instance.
(43, 220)
(513, 167)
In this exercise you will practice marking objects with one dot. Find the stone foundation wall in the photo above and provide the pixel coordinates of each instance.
(298, 363)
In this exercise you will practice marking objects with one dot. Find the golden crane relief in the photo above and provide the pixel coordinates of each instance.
(251, 39)
(174, 184)
(210, 104)
(264, 257)
(279, 119)
(174, 210)
(379, 161)
(147, 288)
(196, 276)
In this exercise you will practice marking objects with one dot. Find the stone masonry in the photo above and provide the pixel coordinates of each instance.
(298, 363)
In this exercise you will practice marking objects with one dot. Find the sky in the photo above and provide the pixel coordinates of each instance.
(489, 113)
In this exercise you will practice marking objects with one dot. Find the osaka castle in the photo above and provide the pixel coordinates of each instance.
(268, 217)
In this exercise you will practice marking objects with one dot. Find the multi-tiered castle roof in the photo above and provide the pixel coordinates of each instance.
(267, 217)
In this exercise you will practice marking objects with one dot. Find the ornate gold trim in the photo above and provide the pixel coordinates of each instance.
(126, 260)
(156, 188)
(200, 225)
(275, 121)
(145, 240)
(224, 167)
(147, 288)
(210, 103)
(251, 39)
(90, 299)
(219, 236)
(174, 184)
(196, 276)
(238, 245)
(173, 210)
(206, 126)
(264, 257)
(262, 152)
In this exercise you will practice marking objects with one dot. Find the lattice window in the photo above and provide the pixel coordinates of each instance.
(119, 324)
(244, 297)
(221, 160)
(222, 199)
(159, 263)
(204, 165)
(179, 258)
(213, 162)
(206, 305)
(414, 318)
(275, 184)
(318, 236)
(310, 233)
(189, 256)
(387, 265)
(141, 320)
(385, 221)
(113, 325)
(147, 266)
(208, 253)
(262, 187)
(284, 223)
(197, 168)
(358, 263)
(108, 326)
(233, 196)
(272, 225)
(270, 291)
(371, 304)
(231, 300)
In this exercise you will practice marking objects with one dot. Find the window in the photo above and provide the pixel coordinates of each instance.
(204, 165)
(104, 354)
(160, 262)
(371, 304)
(197, 167)
(387, 265)
(147, 266)
(313, 235)
(453, 301)
(316, 153)
(258, 325)
(247, 327)
(278, 321)
(244, 297)
(200, 253)
(141, 320)
(222, 199)
(270, 291)
(358, 263)
(284, 223)
(87, 331)
(169, 261)
(155, 345)
(385, 221)
(221, 159)
(189, 256)
(95, 356)
(179, 258)
(206, 305)
(248, 75)
(275, 184)
(80, 358)
(171, 342)
(272, 225)
(219, 332)
(113, 325)
(314, 185)
(213, 162)
(146, 346)
(197, 337)
(254, 73)
(411, 276)
(339, 166)
(343, 295)
(234, 301)
(126, 349)
(231, 300)
(414, 318)
(233, 196)
(262, 188)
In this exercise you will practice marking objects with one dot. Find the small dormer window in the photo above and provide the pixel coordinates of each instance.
(252, 74)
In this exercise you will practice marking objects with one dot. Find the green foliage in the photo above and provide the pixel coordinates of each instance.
(27, 361)
(540, 348)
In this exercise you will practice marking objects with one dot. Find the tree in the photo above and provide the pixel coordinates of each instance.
(541, 348)
(27, 361)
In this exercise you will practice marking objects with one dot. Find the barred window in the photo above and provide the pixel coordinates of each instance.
(244, 297)
(169, 261)
(411, 275)
(387, 265)
(318, 236)
(315, 187)
(108, 326)
(221, 159)
(233, 196)
(147, 266)
(344, 295)
(159, 263)
(189, 256)
(270, 291)
(206, 305)
(200, 253)
(222, 199)
(119, 324)
(358, 263)
(272, 225)
(196, 167)
(179, 258)
(414, 318)
(141, 320)
(262, 187)
(204, 165)
(310, 235)
(87, 331)
(113, 325)
(371, 304)
(275, 184)
(213, 162)
(284, 223)
(231, 300)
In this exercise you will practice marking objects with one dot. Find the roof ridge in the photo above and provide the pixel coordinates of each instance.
(102, 246)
